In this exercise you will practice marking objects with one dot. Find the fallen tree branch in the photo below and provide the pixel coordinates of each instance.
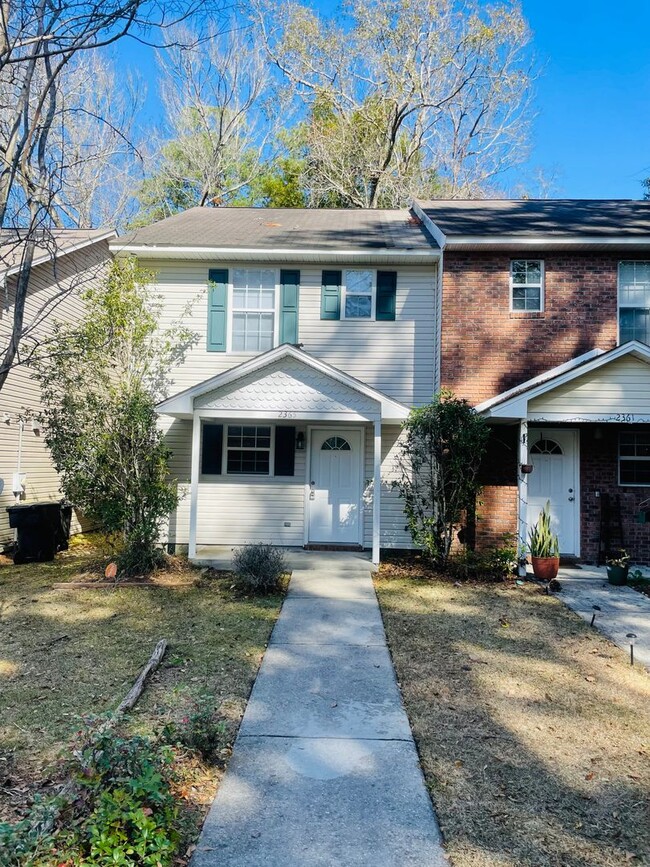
(136, 690)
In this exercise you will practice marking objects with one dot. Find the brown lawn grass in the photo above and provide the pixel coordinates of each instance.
(65, 654)
(533, 730)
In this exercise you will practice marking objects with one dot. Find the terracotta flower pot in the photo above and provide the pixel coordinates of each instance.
(545, 568)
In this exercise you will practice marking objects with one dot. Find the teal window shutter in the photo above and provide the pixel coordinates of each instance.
(330, 298)
(217, 309)
(289, 289)
(386, 292)
(285, 451)
(211, 449)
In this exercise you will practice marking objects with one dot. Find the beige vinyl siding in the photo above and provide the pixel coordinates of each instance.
(393, 520)
(49, 300)
(397, 357)
(233, 511)
(623, 386)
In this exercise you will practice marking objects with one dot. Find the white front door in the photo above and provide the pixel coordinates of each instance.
(335, 489)
(553, 454)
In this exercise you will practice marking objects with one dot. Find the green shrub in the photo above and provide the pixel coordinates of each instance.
(495, 564)
(121, 811)
(201, 731)
(438, 460)
(258, 568)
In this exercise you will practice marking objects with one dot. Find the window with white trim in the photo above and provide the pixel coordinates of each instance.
(527, 285)
(634, 458)
(634, 301)
(359, 293)
(248, 450)
(253, 309)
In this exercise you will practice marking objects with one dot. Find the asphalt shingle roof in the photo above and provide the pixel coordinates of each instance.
(550, 217)
(51, 244)
(292, 228)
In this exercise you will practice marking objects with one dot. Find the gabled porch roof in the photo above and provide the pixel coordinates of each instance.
(270, 382)
(515, 403)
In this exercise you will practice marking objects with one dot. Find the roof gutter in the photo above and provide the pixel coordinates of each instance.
(538, 241)
(153, 252)
(436, 233)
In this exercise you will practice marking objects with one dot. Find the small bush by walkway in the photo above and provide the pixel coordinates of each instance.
(532, 728)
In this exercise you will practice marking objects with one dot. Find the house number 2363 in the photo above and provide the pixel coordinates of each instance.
(286, 415)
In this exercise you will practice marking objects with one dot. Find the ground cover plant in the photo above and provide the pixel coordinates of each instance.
(532, 728)
(69, 653)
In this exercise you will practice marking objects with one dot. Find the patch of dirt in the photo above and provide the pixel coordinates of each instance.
(531, 727)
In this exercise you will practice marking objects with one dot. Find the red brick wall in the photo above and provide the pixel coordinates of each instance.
(599, 472)
(486, 349)
(496, 515)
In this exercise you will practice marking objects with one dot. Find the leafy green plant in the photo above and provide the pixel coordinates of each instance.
(201, 730)
(121, 810)
(441, 450)
(99, 392)
(542, 541)
(258, 568)
(494, 564)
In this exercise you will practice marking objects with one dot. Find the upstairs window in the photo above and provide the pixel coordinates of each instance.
(634, 301)
(253, 309)
(527, 285)
(359, 292)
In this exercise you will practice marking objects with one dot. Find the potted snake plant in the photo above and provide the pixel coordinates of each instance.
(544, 547)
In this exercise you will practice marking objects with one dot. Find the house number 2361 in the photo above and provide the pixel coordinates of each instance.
(286, 415)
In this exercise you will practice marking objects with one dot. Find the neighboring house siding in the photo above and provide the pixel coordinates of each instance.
(487, 349)
(397, 357)
(21, 392)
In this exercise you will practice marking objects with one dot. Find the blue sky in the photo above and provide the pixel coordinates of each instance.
(593, 97)
(591, 135)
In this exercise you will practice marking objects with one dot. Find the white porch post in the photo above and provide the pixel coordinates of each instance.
(376, 495)
(194, 482)
(522, 491)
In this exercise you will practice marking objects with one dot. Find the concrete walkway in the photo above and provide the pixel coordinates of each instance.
(324, 770)
(623, 609)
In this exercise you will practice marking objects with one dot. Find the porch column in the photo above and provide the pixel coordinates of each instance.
(376, 495)
(522, 492)
(194, 482)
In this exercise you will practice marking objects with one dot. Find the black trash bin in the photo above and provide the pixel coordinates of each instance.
(43, 529)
